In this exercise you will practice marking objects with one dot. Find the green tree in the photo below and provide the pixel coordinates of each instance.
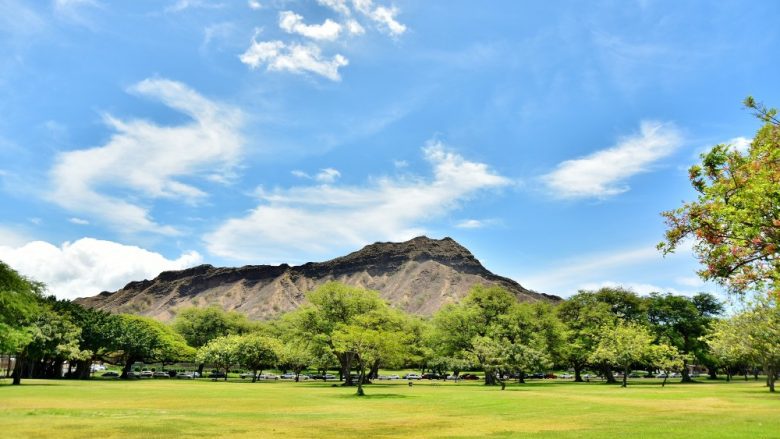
(198, 326)
(586, 314)
(623, 345)
(221, 352)
(332, 308)
(19, 306)
(735, 221)
(144, 339)
(369, 339)
(295, 357)
(256, 352)
(752, 335)
(681, 322)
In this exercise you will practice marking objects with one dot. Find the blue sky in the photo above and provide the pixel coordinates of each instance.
(546, 137)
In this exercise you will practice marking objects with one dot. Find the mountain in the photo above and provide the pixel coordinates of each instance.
(419, 276)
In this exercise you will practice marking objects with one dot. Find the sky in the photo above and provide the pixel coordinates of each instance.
(546, 137)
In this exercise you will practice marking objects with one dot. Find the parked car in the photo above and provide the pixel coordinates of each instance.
(161, 374)
(469, 376)
(412, 376)
(452, 378)
(267, 376)
(185, 375)
(550, 376)
(537, 375)
(216, 375)
(565, 376)
(147, 374)
(287, 376)
(246, 375)
(431, 376)
(132, 374)
(110, 374)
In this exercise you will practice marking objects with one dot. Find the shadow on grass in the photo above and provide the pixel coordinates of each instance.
(376, 396)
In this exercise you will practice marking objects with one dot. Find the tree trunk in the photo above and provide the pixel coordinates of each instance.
(17, 373)
(200, 369)
(126, 368)
(254, 376)
(626, 371)
(609, 375)
(686, 375)
(577, 373)
(490, 378)
(771, 377)
(374, 372)
(712, 372)
(360, 378)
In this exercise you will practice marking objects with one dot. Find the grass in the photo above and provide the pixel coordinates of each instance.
(545, 409)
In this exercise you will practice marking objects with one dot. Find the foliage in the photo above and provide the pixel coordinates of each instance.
(221, 352)
(257, 352)
(19, 306)
(753, 336)
(144, 339)
(682, 321)
(735, 220)
(200, 325)
(623, 345)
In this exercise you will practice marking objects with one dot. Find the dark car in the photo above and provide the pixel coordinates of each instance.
(215, 375)
(469, 376)
(431, 376)
(537, 375)
(110, 374)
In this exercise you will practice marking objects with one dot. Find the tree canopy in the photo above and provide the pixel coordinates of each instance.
(735, 220)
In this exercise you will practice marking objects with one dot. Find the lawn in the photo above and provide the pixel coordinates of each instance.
(175, 408)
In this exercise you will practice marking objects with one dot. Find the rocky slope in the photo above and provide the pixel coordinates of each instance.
(418, 276)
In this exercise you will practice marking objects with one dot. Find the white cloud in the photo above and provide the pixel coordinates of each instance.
(603, 173)
(354, 28)
(295, 58)
(146, 160)
(470, 224)
(327, 175)
(741, 144)
(339, 6)
(89, 266)
(314, 221)
(79, 221)
(292, 23)
(386, 17)
(254, 4)
(639, 288)
(182, 5)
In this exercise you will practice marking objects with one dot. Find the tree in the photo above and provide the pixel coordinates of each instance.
(752, 335)
(257, 352)
(682, 321)
(55, 340)
(144, 339)
(368, 339)
(735, 221)
(97, 336)
(221, 352)
(332, 308)
(586, 314)
(295, 357)
(622, 346)
(19, 307)
(198, 326)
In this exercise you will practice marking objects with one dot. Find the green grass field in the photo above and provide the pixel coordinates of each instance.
(175, 408)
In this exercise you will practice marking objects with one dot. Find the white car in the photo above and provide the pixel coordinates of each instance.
(185, 375)
(565, 376)
(246, 375)
(412, 376)
(389, 377)
(267, 376)
(161, 374)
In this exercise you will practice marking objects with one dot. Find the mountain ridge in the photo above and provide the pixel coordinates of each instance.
(419, 276)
